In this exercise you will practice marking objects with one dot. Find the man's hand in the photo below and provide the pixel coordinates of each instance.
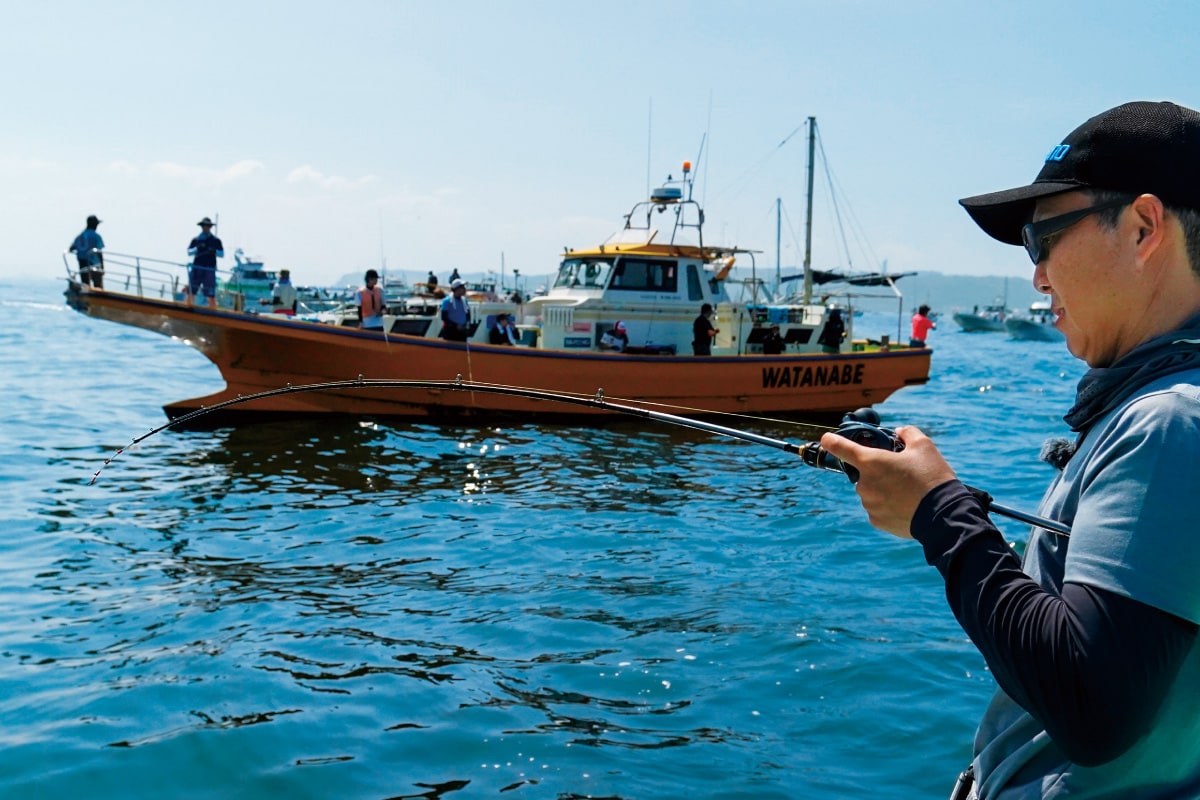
(891, 485)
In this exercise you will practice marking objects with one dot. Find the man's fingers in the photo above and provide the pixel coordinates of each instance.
(910, 434)
(840, 447)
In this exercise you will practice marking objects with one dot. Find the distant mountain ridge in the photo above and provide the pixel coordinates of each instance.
(949, 293)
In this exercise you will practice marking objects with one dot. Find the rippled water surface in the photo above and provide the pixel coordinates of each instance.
(356, 610)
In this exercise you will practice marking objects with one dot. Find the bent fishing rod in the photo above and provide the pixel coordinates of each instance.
(861, 427)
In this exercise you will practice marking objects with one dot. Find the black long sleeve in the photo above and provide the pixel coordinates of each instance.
(1090, 665)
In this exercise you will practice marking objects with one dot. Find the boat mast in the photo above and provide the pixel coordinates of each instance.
(778, 215)
(382, 257)
(812, 138)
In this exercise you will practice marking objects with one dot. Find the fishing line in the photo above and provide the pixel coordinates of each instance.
(860, 427)
(812, 426)
(576, 398)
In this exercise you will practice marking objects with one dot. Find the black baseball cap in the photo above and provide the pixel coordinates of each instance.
(1140, 148)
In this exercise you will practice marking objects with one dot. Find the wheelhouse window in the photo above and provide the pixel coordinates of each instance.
(695, 293)
(587, 273)
(636, 275)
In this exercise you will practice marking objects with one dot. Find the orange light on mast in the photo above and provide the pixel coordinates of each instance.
(687, 167)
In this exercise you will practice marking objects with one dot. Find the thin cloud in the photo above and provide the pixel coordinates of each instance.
(207, 176)
(307, 174)
(124, 168)
(20, 164)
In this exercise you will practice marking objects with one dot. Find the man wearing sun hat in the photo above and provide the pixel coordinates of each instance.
(1092, 639)
(204, 249)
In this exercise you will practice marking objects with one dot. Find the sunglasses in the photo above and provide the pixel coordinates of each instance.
(1035, 234)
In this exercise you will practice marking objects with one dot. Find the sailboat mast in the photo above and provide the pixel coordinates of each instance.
(812, 139)
(778, 218)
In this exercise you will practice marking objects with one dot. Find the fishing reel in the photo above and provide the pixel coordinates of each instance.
(861, 427)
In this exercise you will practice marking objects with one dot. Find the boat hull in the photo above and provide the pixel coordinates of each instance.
(974, 323)
(1030, 330)
(257, 353)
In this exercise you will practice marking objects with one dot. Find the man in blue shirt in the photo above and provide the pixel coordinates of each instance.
(205, 249)
(1092, 637)
(456, 313)
(87, 247)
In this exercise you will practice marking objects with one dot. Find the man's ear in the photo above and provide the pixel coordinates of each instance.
(1150, 216)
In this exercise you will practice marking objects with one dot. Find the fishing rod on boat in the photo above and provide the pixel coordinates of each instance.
(861, 427)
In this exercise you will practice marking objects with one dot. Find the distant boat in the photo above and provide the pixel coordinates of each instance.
(1037, 325)
(989, 319)
(249, 280)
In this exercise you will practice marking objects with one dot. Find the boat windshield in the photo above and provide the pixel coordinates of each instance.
(253, 275)
(584, 272)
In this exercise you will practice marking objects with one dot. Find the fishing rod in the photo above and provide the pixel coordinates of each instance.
(861, 427)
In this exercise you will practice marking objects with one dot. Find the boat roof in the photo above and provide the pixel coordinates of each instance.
(702, 253)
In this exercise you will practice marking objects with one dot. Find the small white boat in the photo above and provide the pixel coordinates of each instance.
(249, 279)
(1037, 325)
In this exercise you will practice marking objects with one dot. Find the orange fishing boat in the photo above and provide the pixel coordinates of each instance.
(567, 345)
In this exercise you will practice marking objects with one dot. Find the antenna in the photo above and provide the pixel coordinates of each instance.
(649, 132)
(707, 128)
(382, 257)
(700, 154)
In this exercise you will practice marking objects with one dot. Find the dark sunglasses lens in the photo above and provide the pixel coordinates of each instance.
(1032, 245)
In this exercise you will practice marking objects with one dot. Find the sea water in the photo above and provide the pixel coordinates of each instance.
(350, 609)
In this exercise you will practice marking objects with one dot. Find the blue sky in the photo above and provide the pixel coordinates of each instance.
(329, 136)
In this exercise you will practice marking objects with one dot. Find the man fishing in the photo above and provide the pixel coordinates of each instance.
(204, 249)
(1092, 640)
(87, 248)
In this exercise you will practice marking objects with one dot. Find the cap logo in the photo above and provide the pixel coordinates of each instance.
(1058, 153)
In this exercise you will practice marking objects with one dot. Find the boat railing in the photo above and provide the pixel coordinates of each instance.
(139, 275)
(752, 291)
(142, 276)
